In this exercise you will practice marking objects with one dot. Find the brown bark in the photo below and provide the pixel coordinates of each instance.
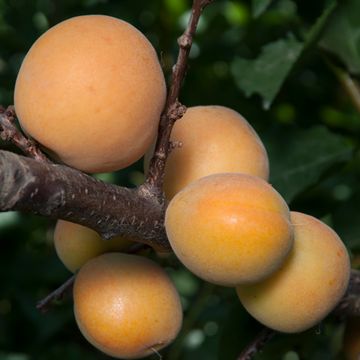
(60, 192)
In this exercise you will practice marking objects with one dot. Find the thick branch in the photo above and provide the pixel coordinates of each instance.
(173, 109)
(10, 133)
(60, 192)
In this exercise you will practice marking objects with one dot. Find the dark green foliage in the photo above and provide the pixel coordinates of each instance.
(311, 130)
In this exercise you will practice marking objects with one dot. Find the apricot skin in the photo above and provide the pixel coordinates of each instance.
(91, 91)
(214, 139)
(126, 305)
(76, 244)
(229, 228)
(307, 286)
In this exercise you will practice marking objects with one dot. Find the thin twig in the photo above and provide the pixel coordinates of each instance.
(58, 294)
(257, 344)
(173, 109)
(10, 133)
(64, 289)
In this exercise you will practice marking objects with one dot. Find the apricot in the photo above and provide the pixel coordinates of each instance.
(76, 244)
(126, 305)
(307, 286)
(229, 228)
(90, 90)
(214, 139)
(352, 339)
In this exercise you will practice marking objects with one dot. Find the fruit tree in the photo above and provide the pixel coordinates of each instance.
(179, 179)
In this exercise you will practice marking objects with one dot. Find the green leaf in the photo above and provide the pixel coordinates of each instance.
(266, 74)
(342, 35)
(268, 71)
(317, 29)
(299, 157)
(259, 6)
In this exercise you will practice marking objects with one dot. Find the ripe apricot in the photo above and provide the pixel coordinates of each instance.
(307, 286)
(91, 90)
(126, 305)
(76, 244)
(229, 228)
(214, 139)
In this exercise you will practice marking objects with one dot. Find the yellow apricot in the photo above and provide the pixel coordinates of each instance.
(126, 305)
(307, 286)
(214, 139)
(229, 228)
(91, 90)
(352, 339)
(76, 244)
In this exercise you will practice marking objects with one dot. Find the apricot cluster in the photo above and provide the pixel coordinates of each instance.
(230, 227)
(94, 78)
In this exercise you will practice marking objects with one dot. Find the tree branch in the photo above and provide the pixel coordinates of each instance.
(173, 109)
(10, 133)
(60, 192)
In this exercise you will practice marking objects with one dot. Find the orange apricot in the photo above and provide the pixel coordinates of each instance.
(229, 228)
(90, 90)
(307, 286)
(76, 244)
(126, 305)
(214, 139)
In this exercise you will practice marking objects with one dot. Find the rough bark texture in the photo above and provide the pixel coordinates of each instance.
(10, 133)
(60, 192)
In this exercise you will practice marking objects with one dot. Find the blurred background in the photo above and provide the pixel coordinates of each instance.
(280, 63)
